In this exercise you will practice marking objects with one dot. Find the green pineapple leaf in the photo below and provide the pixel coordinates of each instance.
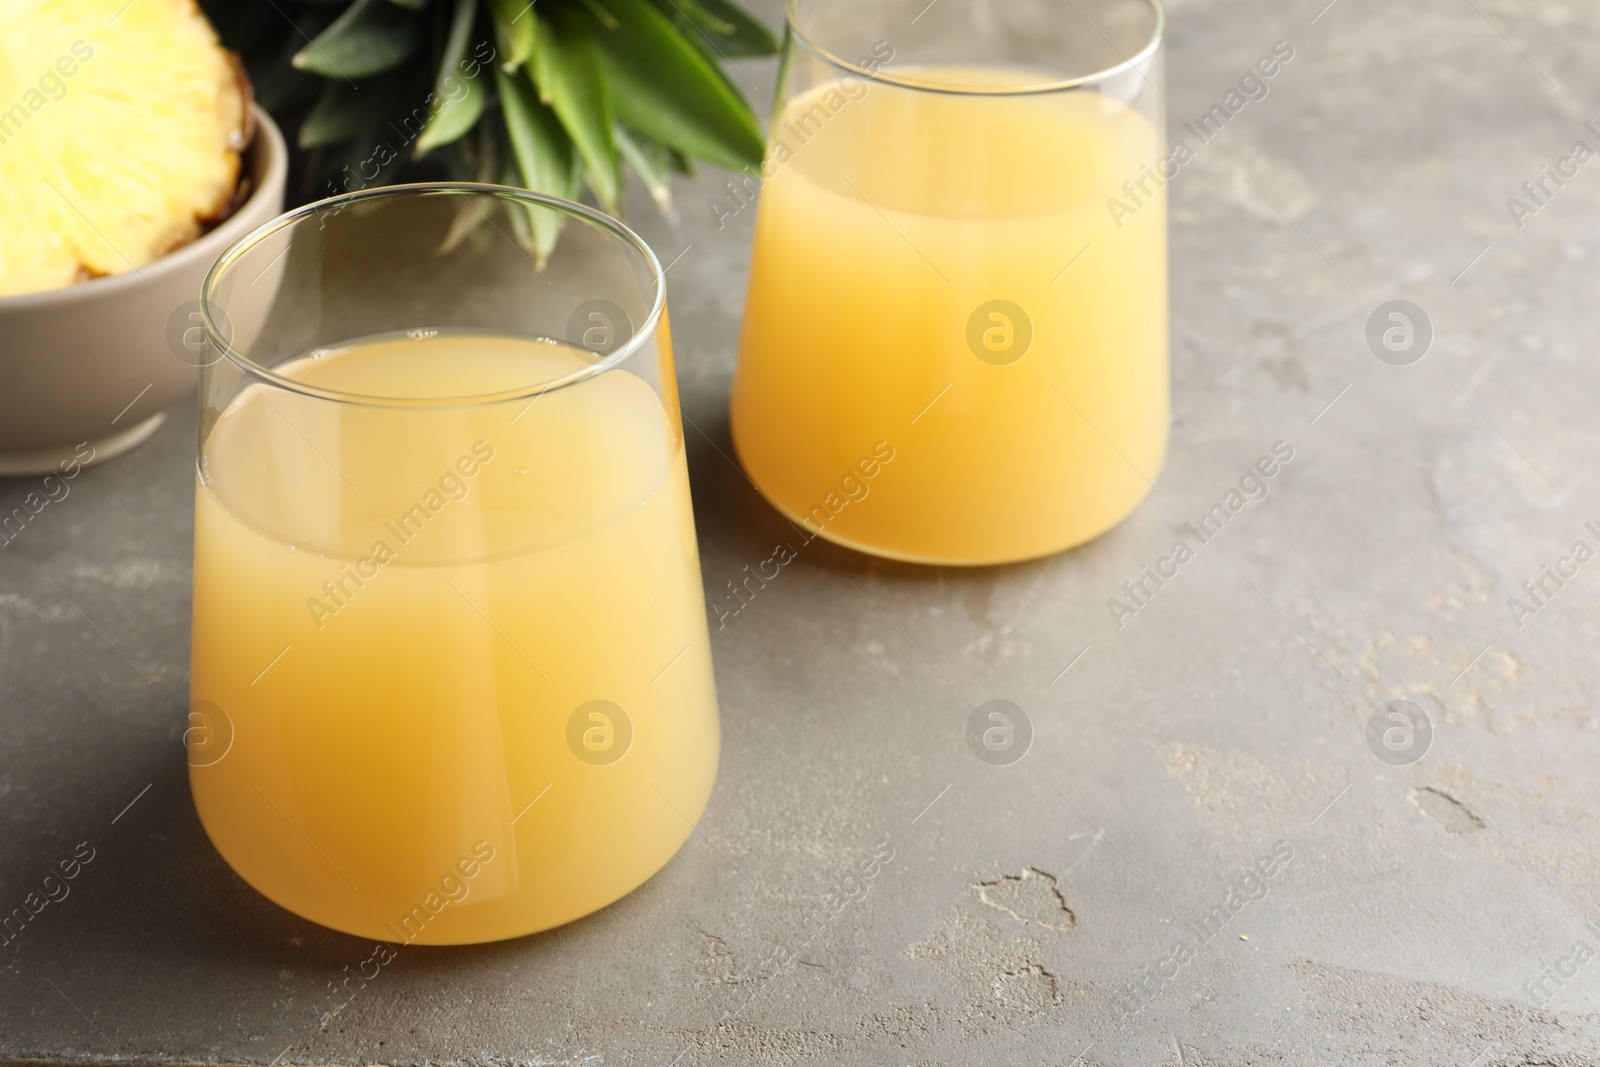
(459, 99)
(729, 31)
(372, 36)
(651, 162)
(542, 151)
(514, 27)
(667, 89)
(566, 67)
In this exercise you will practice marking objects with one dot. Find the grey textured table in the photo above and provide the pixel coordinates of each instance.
(1430, 913)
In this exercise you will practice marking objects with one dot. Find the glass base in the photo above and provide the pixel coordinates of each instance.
(886, 552)
(433, 917)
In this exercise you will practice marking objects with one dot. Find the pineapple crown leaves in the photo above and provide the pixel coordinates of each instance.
(550, 95)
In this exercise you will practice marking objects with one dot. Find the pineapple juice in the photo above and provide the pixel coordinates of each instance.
(449, 638)
(883, 251)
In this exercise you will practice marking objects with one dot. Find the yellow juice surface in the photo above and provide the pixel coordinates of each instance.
(401, 617)
(889, 222)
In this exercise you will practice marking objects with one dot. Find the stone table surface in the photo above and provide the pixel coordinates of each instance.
(1430, 912)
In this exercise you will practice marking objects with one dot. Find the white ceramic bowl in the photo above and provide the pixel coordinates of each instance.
(101, 362)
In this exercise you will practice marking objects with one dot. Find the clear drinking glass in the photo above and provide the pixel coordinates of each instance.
(955, 341)
(451, 676)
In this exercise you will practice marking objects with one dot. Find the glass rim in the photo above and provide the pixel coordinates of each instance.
(236, 251)
(1149, 48)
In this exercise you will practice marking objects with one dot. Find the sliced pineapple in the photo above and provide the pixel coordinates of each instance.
(121, 125)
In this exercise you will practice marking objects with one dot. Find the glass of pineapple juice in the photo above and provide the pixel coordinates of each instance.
(451, 679)
(960, 257)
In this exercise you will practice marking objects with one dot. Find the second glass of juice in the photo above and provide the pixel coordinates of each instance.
(955, 341)
(451, 679)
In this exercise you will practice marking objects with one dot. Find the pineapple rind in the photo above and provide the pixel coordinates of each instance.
(108, 167)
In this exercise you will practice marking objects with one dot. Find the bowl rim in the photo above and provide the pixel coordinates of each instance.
(267, 138)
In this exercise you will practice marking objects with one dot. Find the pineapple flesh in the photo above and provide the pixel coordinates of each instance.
(121, 125)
